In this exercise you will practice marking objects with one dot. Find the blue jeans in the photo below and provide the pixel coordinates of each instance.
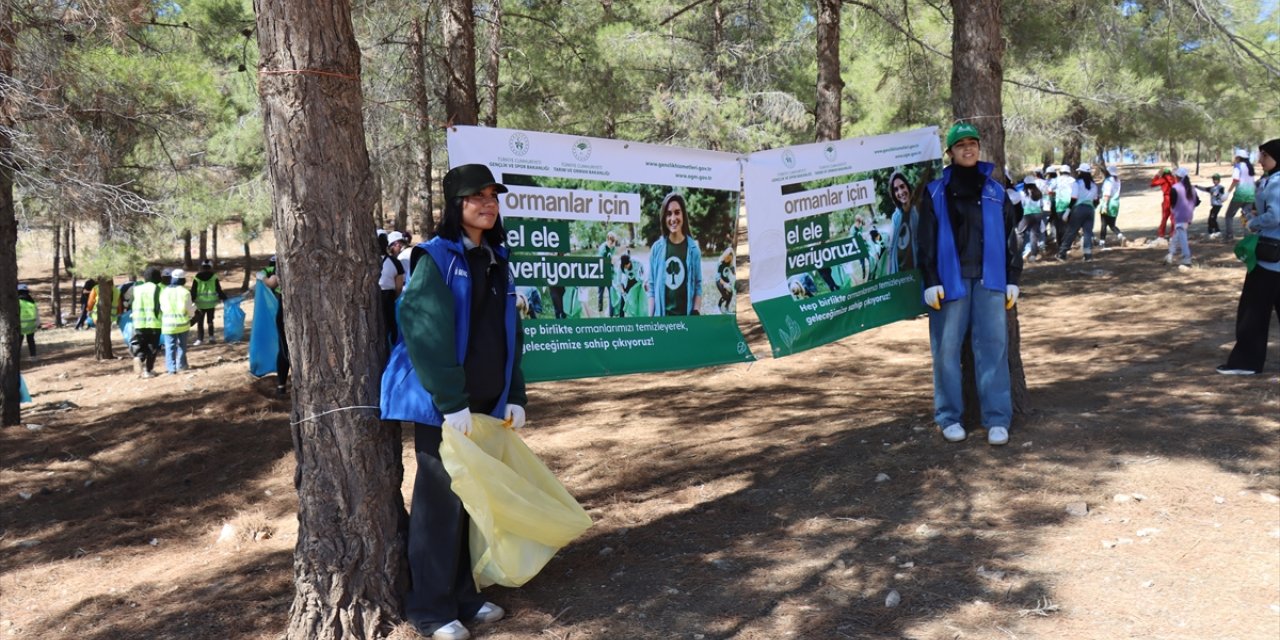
(982, 313)
(175, 352)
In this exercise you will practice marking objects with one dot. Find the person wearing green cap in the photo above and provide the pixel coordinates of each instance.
(1217, 197)
(970, 265)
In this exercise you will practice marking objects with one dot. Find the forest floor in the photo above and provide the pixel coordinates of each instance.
(741, 502)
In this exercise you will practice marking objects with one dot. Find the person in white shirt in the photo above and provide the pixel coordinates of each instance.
(1084, 192)
(1109, 206)
(391, 282)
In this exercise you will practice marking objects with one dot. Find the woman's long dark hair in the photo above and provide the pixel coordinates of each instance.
(450, 225)
(893, 197)
(1086, 178)
(1248, 166)
(1033, 191)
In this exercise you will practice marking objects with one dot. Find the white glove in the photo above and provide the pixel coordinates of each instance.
(933, 297)
(459, 421)
(515, 416)
(1010, 296)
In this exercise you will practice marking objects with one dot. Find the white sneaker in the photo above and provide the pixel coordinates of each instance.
(1168, 259)
(489, 612)
(997, 436)
(197, 343)
(954, 433)
(452, 631)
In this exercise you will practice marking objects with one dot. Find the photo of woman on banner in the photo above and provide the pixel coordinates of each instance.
(906, 219)
(675, 263)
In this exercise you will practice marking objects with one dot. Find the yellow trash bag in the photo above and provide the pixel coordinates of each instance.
(520, 513)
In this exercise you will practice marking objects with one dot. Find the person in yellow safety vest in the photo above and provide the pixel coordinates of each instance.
(176, 309)
(207, 292)
(145, 343)
(29, 317)
(93, 302)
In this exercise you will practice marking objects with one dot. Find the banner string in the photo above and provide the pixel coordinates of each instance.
(321, 415)
(307, 72)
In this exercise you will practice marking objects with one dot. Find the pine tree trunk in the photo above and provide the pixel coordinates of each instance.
(10, 332)
(977, 74)
(68, 259)
(459, 61)
(417, 56)
(830, 84)
(348, 563)
(56, 303)
(248, 267)
(186, 250)
(402, 206)
(204, 244)
(491, 68)
(214, 237)
(102, 313)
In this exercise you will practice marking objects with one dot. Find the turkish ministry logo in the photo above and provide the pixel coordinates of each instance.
(830, 152)
(789, 159)
(518, 143)
(582, 149)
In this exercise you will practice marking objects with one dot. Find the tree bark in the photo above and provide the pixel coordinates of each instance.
(186, 250)
(977, 73)
(459, 62)
(214, 237)
(1073, 145)
(10, 332)
(402, 206)
(56, 302)
(68, 259)
(102, 349)
(204, 244)
(977, 76)
(248, 267)
(491, 68)
(348, 563)
(830, 84)
(418, 57)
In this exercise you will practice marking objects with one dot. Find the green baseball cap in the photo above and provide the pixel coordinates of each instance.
(1217, 176)
(959, 131)
(1166, 171)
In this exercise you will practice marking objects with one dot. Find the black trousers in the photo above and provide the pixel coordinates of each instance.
(388, 297)
(1213, 218)
(441, 588)
(1259, 298)
(1108, 222)
(1081, 219)
(31, 344)
(201, 316)
(144, 345)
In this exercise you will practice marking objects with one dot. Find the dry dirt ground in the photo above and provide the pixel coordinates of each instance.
(735, 502)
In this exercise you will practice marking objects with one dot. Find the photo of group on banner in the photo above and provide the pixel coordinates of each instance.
(677, 261)
(881, 235)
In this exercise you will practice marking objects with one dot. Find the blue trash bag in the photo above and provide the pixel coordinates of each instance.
(264, 341)
(24, 396)
(232, 320)
(126, 326)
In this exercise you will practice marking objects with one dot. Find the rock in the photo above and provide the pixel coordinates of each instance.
(1137, 496)
(1120, 541)
(1026, 444)
(925, 531)
(1148, 584)
(893, 599)
(25, 495)
(1269, 498)
(155, 542)
(1149, 531)
(1121, 498)
(990, 574)
(1219, 499)
(27, 544)
(31, 426)
(1108, 544)
(882, 477)
(1078, 509)
(906, 565)
(228, 533)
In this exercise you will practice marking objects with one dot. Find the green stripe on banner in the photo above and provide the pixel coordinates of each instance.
(581, 348)
(795, 325)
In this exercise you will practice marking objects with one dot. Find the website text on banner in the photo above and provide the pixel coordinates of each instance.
(622, 252)
(831, 228)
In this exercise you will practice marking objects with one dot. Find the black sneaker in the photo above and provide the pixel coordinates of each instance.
(1230, 371)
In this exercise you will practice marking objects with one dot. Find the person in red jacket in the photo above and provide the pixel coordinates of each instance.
(1165, 181)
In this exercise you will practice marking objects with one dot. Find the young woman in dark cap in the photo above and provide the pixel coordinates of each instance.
(1260, 297)
(460, 354)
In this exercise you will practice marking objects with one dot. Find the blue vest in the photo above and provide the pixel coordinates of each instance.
(994, 276)
(403, 396)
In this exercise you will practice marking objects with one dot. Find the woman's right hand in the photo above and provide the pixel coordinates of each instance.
(459, 421)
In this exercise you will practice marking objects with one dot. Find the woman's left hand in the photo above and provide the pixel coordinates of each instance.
(515, 416)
